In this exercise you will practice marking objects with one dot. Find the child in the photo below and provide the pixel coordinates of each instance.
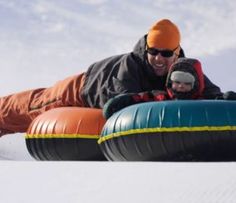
(182, 81)
(185, 80)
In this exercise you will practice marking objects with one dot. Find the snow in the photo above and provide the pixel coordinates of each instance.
(13, 147)
(116, 182)
(25, 180)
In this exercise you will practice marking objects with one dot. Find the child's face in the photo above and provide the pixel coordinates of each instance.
(181, 86)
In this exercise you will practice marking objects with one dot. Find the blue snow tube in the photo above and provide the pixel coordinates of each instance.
(198, 130)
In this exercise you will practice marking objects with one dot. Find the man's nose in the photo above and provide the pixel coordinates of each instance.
(158, 56)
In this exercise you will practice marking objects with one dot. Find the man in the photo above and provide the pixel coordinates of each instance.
(144, 69)
(185, 80)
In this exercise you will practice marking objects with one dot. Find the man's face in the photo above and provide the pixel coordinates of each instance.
(161, 64)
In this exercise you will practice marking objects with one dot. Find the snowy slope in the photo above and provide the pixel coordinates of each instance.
(115, 182)
(27, 181)
(13, 147)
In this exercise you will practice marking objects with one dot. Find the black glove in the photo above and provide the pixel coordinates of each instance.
(230, 95)
(121, 101)
(117, 103)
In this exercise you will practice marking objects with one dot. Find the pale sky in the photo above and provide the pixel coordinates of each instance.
(44, 41)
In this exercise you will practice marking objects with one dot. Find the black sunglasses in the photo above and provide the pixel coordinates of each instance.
(164, 53)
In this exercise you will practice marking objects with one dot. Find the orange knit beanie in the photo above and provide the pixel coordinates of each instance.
(163, 35)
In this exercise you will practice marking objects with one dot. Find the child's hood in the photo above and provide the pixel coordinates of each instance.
(192, 66)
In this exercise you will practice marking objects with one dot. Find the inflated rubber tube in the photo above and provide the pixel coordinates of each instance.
(67, 133)
(196, 130)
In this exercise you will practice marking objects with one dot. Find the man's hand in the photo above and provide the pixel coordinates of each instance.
(117, 103)
(230, 95)
(121, 101)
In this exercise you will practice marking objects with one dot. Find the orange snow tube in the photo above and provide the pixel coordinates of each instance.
(66, 133)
